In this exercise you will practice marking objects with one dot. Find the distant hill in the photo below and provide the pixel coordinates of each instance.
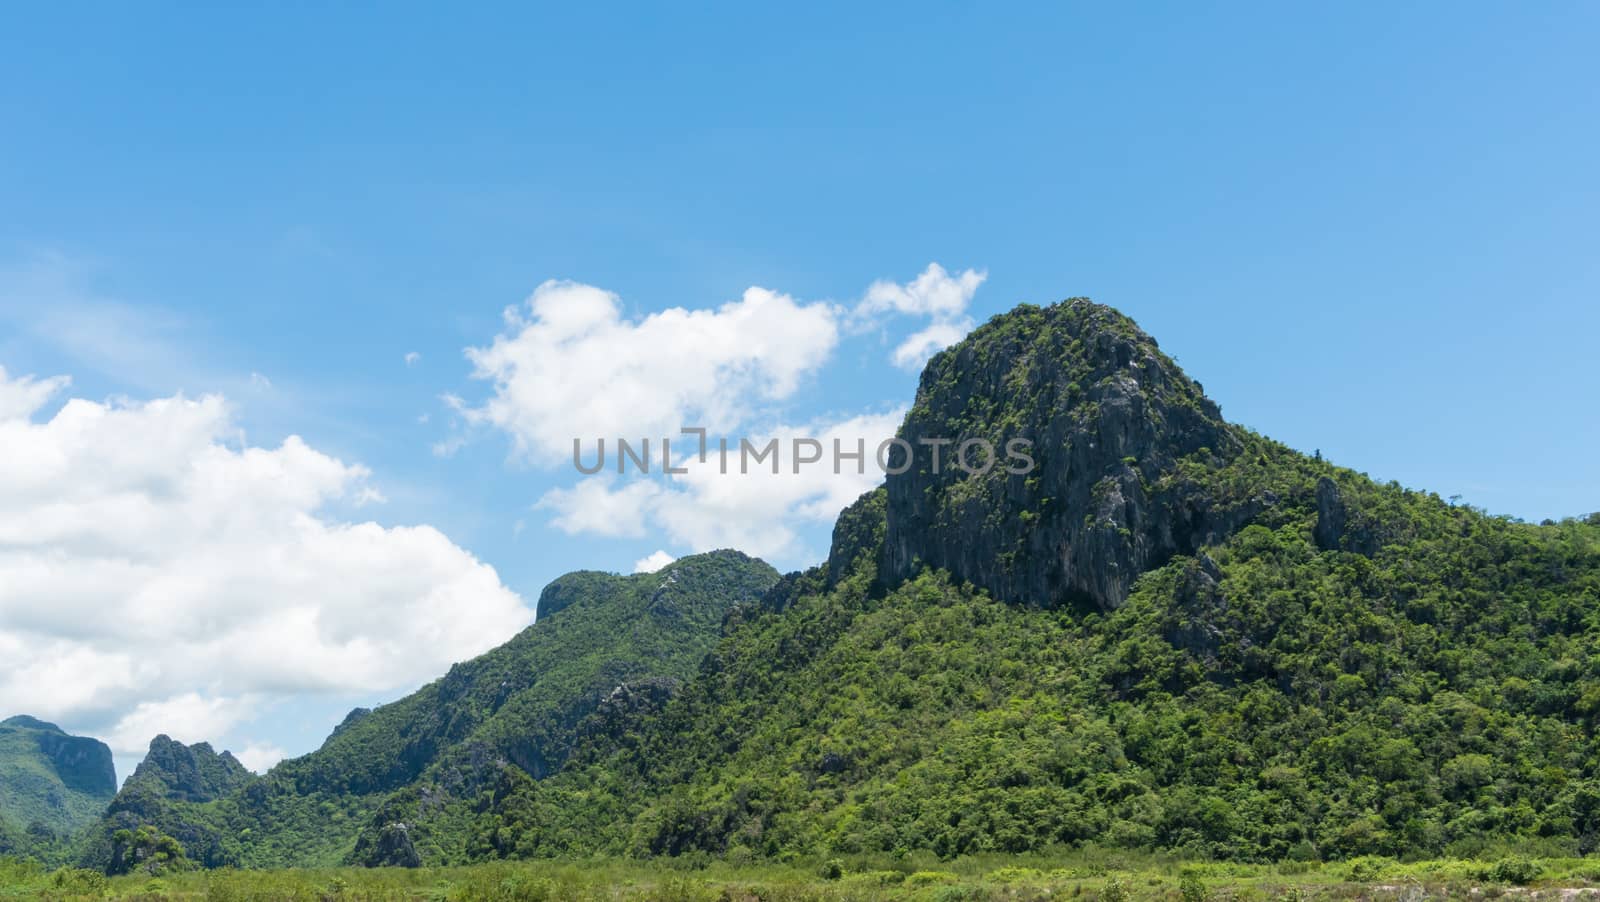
(51, 784)
(600, 639)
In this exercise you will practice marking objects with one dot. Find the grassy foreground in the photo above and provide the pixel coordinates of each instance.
(1106, 877)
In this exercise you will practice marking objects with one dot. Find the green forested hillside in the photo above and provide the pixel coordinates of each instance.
(520, 705)
(51, 785)
(1309, 664)
(1267, 701)
(1173, 635)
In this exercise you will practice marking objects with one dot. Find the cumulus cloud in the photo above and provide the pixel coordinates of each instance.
(22, 396)
(188, 718)
(571, 365)
(158, 575)
(935, 294)
(758, 512)
(912, 353)
(260, 756)
(652, 562)
(598, 507)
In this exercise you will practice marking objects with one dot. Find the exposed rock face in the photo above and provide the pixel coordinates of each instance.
(50, 782)
(84, 764)
(559, 595)
(1331, 515)
(1112, 423)
(626, 705)
(859, 530)
(1202, 607)
(394, 848)
(1343, 524)
(189, 773)
(355, 716)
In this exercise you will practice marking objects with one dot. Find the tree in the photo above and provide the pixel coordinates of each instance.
(146, 849)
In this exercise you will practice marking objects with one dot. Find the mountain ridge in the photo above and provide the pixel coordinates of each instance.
(518, 705)
(1307, 664)
(1173, 635)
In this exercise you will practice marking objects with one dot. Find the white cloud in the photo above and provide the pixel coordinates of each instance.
(21, 397)
(933, 293)
(260, 756)
(158, 576)
(650, 563)
(447, 447)
(936, 294)
(914, 352)
(570, 365)
(188, 717)
(594, 507)
(412, 357)
(758, 512)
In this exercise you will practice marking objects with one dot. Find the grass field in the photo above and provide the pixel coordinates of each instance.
(1103, 877)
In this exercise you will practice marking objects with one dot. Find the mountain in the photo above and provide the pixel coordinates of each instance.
(186, 773)
(51, 784)
(1173, 634)
(1169, 634)
(599, 638)
(172, 781)
(1125, 451)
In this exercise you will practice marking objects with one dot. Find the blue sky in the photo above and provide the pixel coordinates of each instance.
(1367, 229)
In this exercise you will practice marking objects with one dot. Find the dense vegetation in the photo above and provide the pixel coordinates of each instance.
(1089, 874)
(1334, 668)
(519, 706)
(1297, 705)
(1176, 638)
(51, 786)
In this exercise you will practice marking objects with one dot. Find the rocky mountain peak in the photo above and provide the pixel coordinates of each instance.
(1115, 431)
(193, 773)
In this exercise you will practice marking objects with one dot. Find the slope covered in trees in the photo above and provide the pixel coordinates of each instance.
(519, 706)
(1172, 634)
(51, 785)
(1307, 664)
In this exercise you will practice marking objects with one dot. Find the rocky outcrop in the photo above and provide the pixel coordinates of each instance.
(1343, 524)
(1111, 484)
(564, 591)
(83, 764)
(394, 848)
(189, 773)
(51, 782)
(355, 716)
(1331, 515)
(1200, 610)
(625, 706)
(858, 533)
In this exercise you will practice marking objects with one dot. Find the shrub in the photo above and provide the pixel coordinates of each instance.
(1518, 871)
(1368, 868)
